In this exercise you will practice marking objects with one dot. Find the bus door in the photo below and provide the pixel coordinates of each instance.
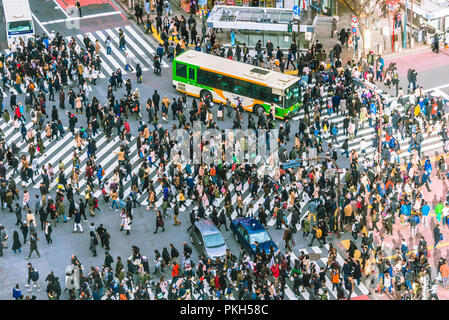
(191, 76)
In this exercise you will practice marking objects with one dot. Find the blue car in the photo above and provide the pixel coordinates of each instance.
(249, 230)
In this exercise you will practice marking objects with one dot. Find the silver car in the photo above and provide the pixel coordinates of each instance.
(208, 239)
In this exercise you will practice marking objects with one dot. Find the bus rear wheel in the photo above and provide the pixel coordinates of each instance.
(206, 93)
(259, 109)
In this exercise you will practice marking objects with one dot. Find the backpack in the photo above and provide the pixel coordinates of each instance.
(102, 172)
(348, 286)
(141, 172)
(318, 232)
(35, 275)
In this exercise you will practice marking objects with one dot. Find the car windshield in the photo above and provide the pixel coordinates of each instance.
(260, 237)
(213, 240)
(292, 95)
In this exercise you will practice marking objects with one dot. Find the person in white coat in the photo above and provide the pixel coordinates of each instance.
(128, 222)
(72, 276)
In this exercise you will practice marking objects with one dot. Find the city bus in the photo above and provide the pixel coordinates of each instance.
(19, 22)
(260, 90)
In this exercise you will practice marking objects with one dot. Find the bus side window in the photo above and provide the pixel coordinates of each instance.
(242, 88)
(223, 83)
(181, 70)
(207, 78)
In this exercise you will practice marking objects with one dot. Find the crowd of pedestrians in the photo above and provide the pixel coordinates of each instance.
(376, 191)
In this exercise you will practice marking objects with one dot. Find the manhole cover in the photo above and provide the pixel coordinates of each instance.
(314, 256)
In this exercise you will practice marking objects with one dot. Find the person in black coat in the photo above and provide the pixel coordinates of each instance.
(165, 258)
(351, 249)
(159, 222)
(436, 235)
(222, 220)
(108, 260)
(139, 73)
(42, 217)
(193, 219)
(16, 245)
(24, 229)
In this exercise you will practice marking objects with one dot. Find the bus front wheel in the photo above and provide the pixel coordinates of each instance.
(259, 109)
(205, 94)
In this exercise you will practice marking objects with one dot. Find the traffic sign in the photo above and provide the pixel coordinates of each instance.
(296, 12)
(354, 30)
(354, 19)
(292, 164)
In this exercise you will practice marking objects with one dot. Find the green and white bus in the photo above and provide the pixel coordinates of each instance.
(199, 74)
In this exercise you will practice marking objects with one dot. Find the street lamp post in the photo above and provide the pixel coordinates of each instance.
(380, 126)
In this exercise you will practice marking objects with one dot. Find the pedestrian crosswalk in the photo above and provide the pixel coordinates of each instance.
(136, 46)
(319, 259)
(364, 136)
(321, 263)
(62, 149)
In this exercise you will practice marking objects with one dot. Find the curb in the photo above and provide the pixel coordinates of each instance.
(407, 52)
(154, 34)
(125, 7)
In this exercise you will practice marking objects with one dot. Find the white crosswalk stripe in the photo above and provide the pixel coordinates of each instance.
(136, 46)
(145, 45)
(321, 263)
(432, 141)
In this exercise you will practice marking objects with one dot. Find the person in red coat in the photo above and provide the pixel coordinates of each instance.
(175, 270)
(275, 270)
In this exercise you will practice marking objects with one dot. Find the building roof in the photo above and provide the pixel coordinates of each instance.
(255, 18)
(431, 9)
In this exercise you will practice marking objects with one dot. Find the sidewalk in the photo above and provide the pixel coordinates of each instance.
(176, 11)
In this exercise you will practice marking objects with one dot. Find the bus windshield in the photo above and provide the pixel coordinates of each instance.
(23, 26)
(292, 95)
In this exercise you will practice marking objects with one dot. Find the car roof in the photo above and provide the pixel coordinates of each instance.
(251, 224)
(206, 227)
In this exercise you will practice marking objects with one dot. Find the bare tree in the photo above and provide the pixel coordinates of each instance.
(362, 9)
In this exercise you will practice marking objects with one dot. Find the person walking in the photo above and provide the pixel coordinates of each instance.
(437, 235)
(93, 243)
(128, 221)
(33, 246)
(288, 238)
(78, 6)
(159, 221)
(77, 222)
(444, 270)
(108, 45)
(47, 231)
(34, 278)
(16, 245)
(434, 291)
(317, 233)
